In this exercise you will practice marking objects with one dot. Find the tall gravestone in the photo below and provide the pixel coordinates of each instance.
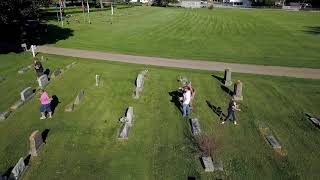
(79, 97)
(127, 123)
(238, 91)
(17, 170)
(36, 142)
(227, 77)
(124, 132)
(43, 81)
(140, 83)
(97, 80)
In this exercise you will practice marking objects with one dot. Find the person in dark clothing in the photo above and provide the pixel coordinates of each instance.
(233, 107)
(38, 67)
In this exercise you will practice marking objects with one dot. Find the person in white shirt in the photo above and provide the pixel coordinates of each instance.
(186, 101)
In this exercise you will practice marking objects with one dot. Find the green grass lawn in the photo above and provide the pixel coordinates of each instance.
(268, 37)
(84, 145)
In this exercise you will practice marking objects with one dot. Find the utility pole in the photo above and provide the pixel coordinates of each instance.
(61, 13)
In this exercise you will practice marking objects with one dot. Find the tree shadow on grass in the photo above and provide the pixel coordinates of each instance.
(312, 30)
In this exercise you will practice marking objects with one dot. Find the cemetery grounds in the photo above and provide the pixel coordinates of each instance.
(84, 145)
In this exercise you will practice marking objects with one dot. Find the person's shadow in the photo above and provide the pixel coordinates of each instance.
(54, 103)
(175, 98)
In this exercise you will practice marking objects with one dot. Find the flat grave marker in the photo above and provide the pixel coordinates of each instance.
(208, 164)
(273, 142)
(36, 142)
(4, 115)
(43, 81)
(17, 170)
(195, 125)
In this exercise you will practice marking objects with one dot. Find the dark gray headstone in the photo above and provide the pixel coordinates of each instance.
(79, 97)
(273, 142)
(17, 170)
(43, 81)
(27, 94)
(4, 115)
(124, 132)
(196, 130)
(315, 121)
(208, 164)
(56, 73)
(17, 104)
(227, 77)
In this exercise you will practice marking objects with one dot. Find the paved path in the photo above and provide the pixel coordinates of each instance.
(184, 63)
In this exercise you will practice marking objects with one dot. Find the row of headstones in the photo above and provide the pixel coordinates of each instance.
(28, 92)
(36, 142)
(209, 164)
(127, 120)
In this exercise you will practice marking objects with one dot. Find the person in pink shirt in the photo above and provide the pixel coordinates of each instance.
(45, 104)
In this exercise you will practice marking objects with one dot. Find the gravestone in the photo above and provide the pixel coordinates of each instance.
(33, 50)
(227, 77)
(139, 83)
(273, 142)
(24, 47)
(36, 142)
(2, 78)
(97, 80)
(315, 121)
(56, 73)
(4, 115)
(69, 108)
(238, 91)
(43, 81)
(79, 97)
(23, 70)
(196, 130)
(17, 170)
(129, 116)
(27, 94)
(17, 104)
(124, 132)
(71, 65)
(183, 80)
(208, 164)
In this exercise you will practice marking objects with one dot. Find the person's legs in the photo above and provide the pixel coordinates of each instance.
(228, 117)
(42, 111)
(48, 108)
(184, 107)
(188, 109)
(234, 117)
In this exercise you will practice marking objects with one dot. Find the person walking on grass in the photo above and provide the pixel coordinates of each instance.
(45, 104)
(186, 101)
(38, 68)
(233, 107)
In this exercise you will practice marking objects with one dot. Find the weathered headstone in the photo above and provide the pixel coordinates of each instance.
(17, 170)
(24, 47)
(71, 65)
(4, 115)
(124, 132)
(238, 91)
(208, 164)
(23, 70)
(27, 94)
(273, 142)
(97, 80)
(43, 81)
(196, 130)
(184, 80)
(129, 116)
(69, 108)
(36, 142)
(217, 165)
(17, 104)
(315, 121)
(79, 97)
(227, 77)
(56, 73)
(139, 83)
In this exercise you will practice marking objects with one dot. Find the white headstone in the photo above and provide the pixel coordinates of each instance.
(238, 91)
(43, 81)
(124, 132)
(24, 46)
(4, 115)
(208, 164)
(97, 79)
(33, 49)
(273, 142)
(17, 170)
(129, 116)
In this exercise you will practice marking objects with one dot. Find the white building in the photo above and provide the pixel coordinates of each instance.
(245, 3)
(141, 1)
